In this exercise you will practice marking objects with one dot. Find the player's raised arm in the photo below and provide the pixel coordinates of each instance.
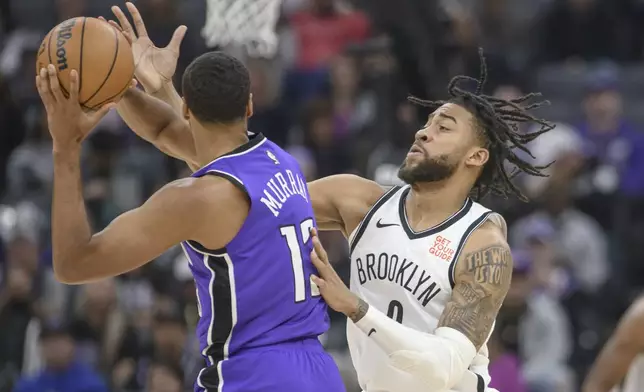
(341, 201)
(156, 117)
(170, 216)
(155, 66)
(619, 352)
(156, 122)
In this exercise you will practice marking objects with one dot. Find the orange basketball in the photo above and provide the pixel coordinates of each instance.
(97, 51)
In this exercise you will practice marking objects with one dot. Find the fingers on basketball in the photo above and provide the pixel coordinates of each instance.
(54, 84)
(42, 83)
(74, 85)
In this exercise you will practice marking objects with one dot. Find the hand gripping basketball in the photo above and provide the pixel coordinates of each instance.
(154, 66)
(68, 123)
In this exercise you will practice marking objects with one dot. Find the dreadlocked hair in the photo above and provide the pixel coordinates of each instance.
(498, 123)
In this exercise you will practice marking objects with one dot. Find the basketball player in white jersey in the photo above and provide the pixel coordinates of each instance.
(429, 266)
(426, 255)
(622, 358)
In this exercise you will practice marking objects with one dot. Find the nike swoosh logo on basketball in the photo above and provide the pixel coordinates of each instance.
(380, 225)
(373, 330)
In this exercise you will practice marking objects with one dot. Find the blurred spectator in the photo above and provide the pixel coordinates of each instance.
(12, 128)
(163, 377)
(386, 158)
(98, 324)
(17, 311)
(548, 148)
(354, 110)
(169, 343)
(29, 170)
(580, 247)
(319, 34)
(323, 31)
(537, 326)
(62, 372)
(505, 368)
(331, 157)
(270, 116)
(614, 146)
(103, 148)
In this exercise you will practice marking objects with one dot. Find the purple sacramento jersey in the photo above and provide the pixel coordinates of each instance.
(255, 295)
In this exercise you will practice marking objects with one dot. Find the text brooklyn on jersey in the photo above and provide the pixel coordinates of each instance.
(395, 269)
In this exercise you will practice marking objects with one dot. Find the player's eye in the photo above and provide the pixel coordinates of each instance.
(443, 128)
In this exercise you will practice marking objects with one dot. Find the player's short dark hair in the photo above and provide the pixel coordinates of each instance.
(497, 125)
(216, 87)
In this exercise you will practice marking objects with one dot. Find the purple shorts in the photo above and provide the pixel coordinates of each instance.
(301, 366)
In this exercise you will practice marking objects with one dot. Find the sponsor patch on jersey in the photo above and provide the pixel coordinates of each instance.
(442, 248)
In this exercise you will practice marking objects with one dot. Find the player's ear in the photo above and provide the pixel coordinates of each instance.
(249, 107)
(185, 110)
(478, 157)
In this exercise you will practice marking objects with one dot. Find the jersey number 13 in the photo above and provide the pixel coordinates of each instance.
(290, 233)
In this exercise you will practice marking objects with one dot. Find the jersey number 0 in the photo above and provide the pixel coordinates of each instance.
(297, 260)
(395, 311)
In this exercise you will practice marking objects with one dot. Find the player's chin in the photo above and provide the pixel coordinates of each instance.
(412, 160)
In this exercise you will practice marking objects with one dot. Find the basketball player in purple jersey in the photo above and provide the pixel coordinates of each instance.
(243, 219)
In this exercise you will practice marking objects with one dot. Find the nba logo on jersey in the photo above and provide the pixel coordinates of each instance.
(272, 156)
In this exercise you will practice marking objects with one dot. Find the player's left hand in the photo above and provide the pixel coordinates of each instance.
(336, 294)
(68, 123)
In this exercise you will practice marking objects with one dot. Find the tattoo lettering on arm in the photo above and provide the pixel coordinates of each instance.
(482, 281)
(360, 311)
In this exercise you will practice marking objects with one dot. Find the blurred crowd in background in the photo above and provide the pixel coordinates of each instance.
(335, 97)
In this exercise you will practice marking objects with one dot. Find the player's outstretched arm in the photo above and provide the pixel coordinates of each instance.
(341, 201)
(441, 359)
(155, 66)
(613, 362)
(157, 117)
(173, 214)
(155, 121)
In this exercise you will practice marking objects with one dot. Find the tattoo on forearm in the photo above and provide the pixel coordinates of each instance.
(483, 278)
(360, 311)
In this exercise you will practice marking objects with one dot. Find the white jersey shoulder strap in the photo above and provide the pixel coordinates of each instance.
(355, 236)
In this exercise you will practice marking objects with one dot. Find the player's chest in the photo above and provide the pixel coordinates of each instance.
(394, 257)
(414, 271)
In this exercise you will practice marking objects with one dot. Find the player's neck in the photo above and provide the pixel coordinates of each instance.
(217, 140)
(429, 204)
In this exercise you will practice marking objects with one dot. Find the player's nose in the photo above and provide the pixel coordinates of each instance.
(422, 135)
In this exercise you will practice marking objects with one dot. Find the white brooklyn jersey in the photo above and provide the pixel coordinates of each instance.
(408, 276)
